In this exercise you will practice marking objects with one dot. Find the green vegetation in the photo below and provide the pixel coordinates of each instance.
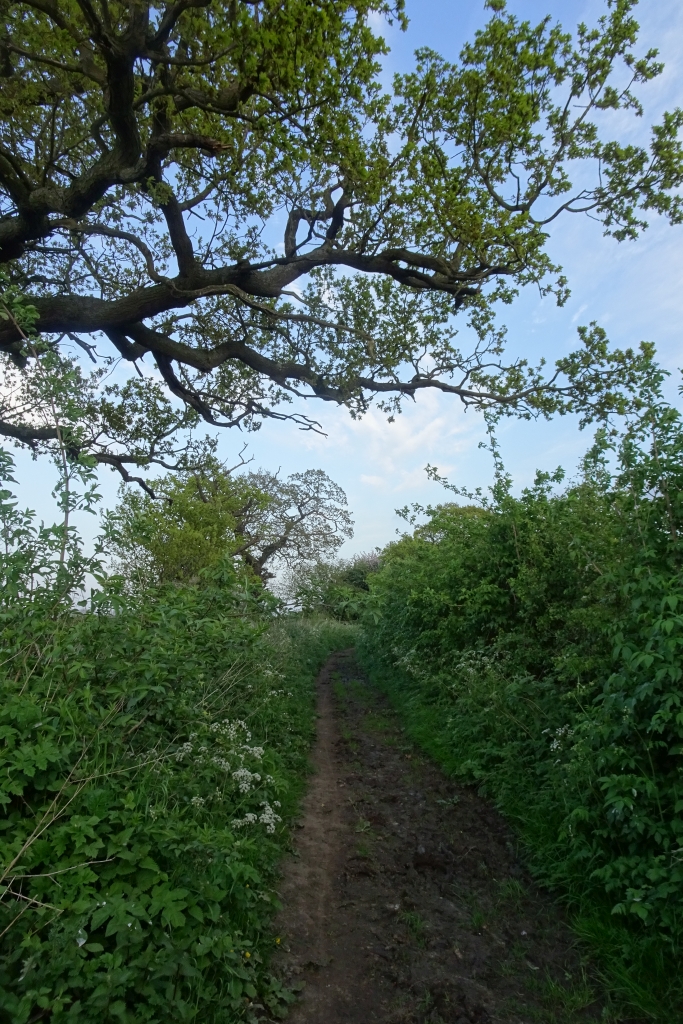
(225, 190)
(533, 645)
(336, 588)
(415, 924)
(154, 734)
(190, 521)
(153, 746)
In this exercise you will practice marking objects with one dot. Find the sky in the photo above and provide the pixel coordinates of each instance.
(632, 289)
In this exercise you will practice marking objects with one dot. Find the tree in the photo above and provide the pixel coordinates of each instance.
(297, 521)
(198, 518)
(338, 588)
(222, 186)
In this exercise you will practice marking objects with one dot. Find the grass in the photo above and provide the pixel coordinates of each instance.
(478, 919)
(641, 976)
(375, 722)
(511, 893)
(415, 924)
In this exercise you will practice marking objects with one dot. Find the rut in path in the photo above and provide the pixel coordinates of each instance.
(405, 902)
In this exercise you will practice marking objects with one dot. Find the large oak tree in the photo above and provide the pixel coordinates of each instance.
(201, 517)
(219, 189)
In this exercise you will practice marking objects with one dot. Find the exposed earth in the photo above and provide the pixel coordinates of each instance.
(405, 901)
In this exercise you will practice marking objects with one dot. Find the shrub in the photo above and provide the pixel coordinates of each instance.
(338, 589)
(535, 647)
(153, 747)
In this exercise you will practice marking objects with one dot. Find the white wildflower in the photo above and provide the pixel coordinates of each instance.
(256, 752)
(248, 819)
(244, 779)
(268, 817)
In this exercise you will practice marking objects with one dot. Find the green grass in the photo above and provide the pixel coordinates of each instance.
(640, 974)
(415, 924)
(512, 893)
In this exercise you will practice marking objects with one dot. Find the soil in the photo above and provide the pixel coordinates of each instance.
(405, 901)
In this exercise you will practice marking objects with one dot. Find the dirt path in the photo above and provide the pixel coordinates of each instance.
(405, 902)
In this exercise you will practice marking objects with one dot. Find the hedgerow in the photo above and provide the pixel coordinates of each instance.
(534, 645)
(153, 746)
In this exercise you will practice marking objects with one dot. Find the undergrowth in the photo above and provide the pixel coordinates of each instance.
(153, 748)
(533, 646)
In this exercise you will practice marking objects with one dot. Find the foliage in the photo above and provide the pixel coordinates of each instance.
(152, 749)
(338, 589)
(304, 519)
(197, 519)
(536, 645)
(169, 171)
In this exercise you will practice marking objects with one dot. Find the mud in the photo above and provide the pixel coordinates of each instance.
(405, 901)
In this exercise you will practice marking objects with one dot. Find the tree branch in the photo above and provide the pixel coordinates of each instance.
(169, 19)
(29, 435)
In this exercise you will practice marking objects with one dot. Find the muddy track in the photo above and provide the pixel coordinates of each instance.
(405, 902)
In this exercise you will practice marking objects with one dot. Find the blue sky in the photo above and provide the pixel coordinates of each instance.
(632, 289)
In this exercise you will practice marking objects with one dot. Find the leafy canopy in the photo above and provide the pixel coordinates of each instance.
(204, 517)
(222, 187)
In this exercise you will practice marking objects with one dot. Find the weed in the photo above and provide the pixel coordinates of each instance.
(478, 920)
(415, 924)
(378, 723)
(339, 690)
(512, 893)
(572, 998)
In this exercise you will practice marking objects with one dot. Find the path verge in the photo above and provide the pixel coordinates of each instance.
(405, 902)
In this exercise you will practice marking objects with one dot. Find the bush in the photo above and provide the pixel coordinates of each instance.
(534, 645)
(338, 589)
(153, 748)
